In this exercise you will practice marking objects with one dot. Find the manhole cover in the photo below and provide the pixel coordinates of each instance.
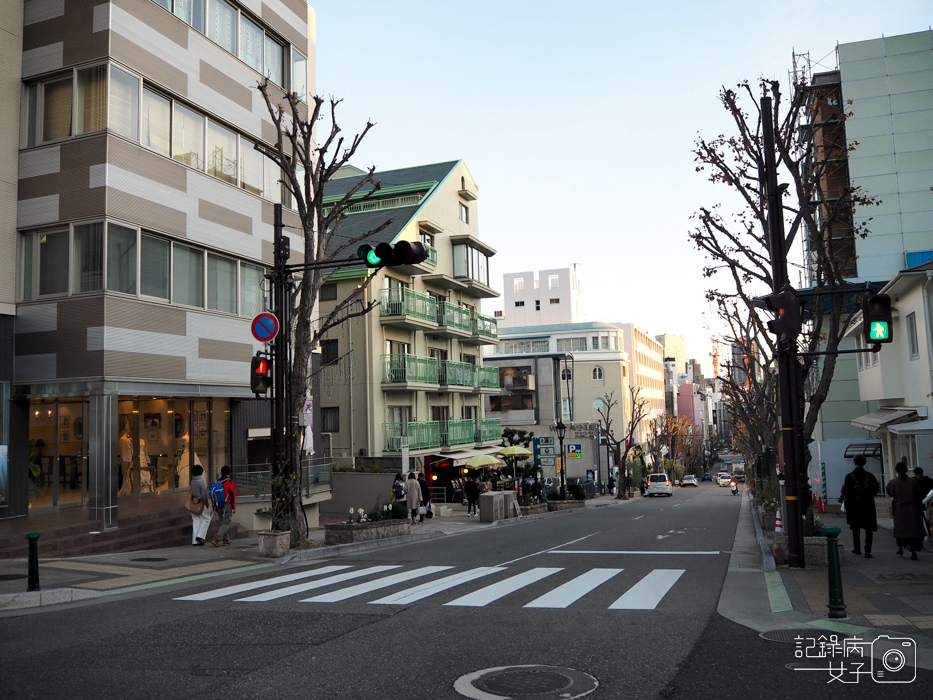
(790, 636)
(150, 559)
(12, 577)
(531, 681)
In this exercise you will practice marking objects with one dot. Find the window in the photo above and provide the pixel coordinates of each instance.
(604, 342)
(299, 75)
(156, 122)
(92, 99)
(566, 374)
(537, 304)
(273, 59)
(498, 314)
(187, 276)
(464, 213)
(221, 153)
(469, 359)
(221, 283)
(124, 103)
(566, 409)
(53, 258)
(222, 24)
(426, 238)
(553, 281)
(472, 263)
(328, 292)
(597, 373)
(912, 336)
(519, 303)
(88, 272)
(518, 284)
(121, 259)
(188, 137)
(555, 301)
(252, 40)
(251, 165)
(252, 297)
(155, 267)
(56, 109)
(190, 11)
(571, 345)
(330, 419)
(329, 351)
(595, 340)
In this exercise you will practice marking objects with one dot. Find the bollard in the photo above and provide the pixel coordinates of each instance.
(33, 584)
(837, 606)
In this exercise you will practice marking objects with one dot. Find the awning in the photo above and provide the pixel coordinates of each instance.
(886, 416)
(918, 426)
(460, 457)
(872, 450)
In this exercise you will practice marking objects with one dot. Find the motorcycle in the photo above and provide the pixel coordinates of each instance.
(735, 487)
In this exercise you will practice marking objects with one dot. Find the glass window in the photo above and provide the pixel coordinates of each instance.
(330, 351)
(565, 374)
(330, 420)
(328, 292)
(188, 137)
(56, 109)
(30, 114)
(92, 99)
(192, 12)
(221, 283)
(604, 342)
(464, 213)
(518, 284)
(912, 336)
(273, 60)
(221, 153)
(299, 75)
(124, 103)
(53, 259)
(121, 259)
(251, 163)
(597, 373)
(555, 301)
(251, 43)
(271, 181)
(157, 122)
(29, 242)
(167, 4)
(155, 268)
(88, 270)
(553, 281)
(252, 297)
(187, 276)
(222, 24)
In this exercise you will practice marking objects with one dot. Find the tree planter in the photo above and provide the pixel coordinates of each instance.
(534, 509)
(814, 551)
(344, 533)
(564, 505)
(274, 543)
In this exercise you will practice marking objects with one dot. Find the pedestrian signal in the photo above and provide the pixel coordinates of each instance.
(786, 307)
(260, 375)
(876, 318)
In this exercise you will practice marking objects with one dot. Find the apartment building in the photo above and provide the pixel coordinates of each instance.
(551, 297)
(144, 226)
(646, 358)
(404, 384)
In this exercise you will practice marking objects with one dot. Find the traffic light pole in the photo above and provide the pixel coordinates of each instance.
(788, 367)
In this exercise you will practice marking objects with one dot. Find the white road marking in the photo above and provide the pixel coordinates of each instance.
(572, 591)
(622, 551)
(486, 595)
(545, 551)
(301, 588)
(428, 589)
(647, 593)
(253, 585)
(361, 588)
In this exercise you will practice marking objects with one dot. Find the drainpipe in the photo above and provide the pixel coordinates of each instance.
(926, 322)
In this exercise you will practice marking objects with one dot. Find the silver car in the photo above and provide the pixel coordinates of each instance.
(660, 484)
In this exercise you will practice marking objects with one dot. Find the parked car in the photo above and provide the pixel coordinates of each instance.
(689, 480)
(707, 476)
(659, 484)
(723, 478)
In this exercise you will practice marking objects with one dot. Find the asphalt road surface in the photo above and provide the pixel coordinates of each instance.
(603, 603)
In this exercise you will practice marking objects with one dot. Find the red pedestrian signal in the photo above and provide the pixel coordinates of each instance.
(260, 375)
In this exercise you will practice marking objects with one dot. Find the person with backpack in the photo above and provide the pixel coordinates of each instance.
(858, 499)
(398, 488)
(223, 498)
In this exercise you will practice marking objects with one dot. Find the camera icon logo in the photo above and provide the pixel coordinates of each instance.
(893, 659)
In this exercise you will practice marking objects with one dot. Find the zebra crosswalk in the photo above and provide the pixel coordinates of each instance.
(645, 594)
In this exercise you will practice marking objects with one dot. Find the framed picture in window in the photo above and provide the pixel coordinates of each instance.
(202, 418)
(202, 433)
(153, 421)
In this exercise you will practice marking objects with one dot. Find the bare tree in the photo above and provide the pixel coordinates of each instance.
(638, 411)
(309, 160)
(818, 208)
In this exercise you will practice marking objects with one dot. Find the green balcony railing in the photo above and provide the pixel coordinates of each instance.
(453, 316)
(456, 373)
(485, 327)
(488, 429)
(486, 377)
(401, 368)
(402, 301)
(418, 435)
(458, 432)
(432, 254)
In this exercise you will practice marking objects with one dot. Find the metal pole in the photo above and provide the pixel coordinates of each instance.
(837, 606)
(280, 457)
(563, 467)
(33, 578)
(787, 346)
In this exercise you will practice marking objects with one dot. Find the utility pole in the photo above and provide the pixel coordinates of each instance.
(281, 354)
(788, 367)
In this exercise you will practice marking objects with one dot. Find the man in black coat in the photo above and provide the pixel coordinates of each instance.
(926, 485)
(858, 497)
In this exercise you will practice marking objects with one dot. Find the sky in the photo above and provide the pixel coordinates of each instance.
(577, 121)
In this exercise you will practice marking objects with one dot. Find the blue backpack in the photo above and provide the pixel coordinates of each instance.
(218, 496)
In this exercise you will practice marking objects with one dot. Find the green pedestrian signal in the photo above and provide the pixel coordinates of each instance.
(876, 318)
(879, 331)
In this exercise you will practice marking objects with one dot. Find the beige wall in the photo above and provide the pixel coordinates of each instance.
(11, 43)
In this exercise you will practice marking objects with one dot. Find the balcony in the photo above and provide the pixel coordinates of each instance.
(409, 372)
(456, 374)
(485, 330)
(418, 435)
(486, 379)
(406, 308)
(453, 321)
(489, 430)
(518, 382)
(457, 432)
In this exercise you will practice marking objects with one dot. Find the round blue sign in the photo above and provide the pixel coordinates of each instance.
(265, 327)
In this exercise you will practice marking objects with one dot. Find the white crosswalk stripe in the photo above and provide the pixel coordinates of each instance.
(645, 594)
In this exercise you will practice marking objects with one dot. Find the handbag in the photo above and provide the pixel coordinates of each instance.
(430, 510)
(422, 510)
(194, 505)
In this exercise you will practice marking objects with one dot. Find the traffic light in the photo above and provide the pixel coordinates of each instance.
(786, 307)
(392, 255)
(876, 318)
(260, 375)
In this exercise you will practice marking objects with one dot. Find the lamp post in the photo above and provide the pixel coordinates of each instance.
(561, 431)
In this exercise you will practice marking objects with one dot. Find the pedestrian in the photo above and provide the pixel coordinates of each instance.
(223, 498)
(536, 488)
(200, 522)
(644, 486)
(425, 495)
(412, 495)
(398, 487)
(926, 486)
(907, 511)
(858, 498)
(612, 484)
(471, 491)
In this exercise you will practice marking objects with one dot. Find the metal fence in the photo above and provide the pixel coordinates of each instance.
(254, 481)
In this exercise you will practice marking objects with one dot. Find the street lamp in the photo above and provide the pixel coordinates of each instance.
(561, 431)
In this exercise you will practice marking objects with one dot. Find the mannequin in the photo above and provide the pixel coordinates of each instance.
(183, 466)
(145, 476)
(126, 463)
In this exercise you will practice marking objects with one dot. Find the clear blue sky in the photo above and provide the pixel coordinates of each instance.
(577, 120)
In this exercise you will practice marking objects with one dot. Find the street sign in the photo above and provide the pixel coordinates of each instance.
(545, 441)
(575, 451)
(548, 461)
(265, 327)
(544, 451)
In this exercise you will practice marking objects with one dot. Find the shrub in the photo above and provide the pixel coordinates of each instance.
(576, 492)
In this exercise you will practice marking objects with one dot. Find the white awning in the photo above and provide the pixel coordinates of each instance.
(886, 416)
(462, 456)
(918, 426)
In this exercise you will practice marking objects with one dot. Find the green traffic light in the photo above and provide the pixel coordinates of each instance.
(368, 253)
(372, 258)
(879, 330)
